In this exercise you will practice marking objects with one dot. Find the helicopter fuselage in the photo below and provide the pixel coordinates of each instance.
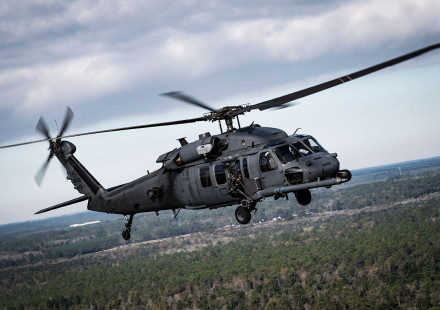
(239, 167)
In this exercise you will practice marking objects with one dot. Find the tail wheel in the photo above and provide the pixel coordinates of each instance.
(243, 215)
(304, 197)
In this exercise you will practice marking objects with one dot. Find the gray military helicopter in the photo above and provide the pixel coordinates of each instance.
(240, 166)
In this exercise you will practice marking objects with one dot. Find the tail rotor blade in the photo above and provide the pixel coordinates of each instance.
(40, 174)
(67, 120)
(42, 127)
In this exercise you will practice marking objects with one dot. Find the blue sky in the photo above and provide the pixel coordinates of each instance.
(109, 60)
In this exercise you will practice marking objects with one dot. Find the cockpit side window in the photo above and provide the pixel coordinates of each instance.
(267, 162)
(286, 154)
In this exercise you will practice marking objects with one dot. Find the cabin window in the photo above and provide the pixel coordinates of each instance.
(205, 176)
(245, 168)
(267, 163)
(220, 175)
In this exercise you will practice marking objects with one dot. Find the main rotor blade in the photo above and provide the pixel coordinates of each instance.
(184, 121)
(67, 119)
(188, 99)
(343, 79)
(250, 108)
(179, 122)
(40, 174)
(42, 127)
(24, 143)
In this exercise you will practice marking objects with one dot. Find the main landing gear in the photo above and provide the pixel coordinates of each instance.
(243, 212)
(126, 233)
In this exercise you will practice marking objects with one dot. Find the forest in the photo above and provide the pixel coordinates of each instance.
(373, 243)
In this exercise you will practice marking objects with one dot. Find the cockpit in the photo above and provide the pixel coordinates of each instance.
(302, 159)
(297, 147)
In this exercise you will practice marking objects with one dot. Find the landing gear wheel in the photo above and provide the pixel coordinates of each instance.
(243, 215)
(303, 197)
(126, 234)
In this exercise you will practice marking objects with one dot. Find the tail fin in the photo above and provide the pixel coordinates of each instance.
(82, 180)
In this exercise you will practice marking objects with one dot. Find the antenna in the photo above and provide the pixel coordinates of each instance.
(296, 130)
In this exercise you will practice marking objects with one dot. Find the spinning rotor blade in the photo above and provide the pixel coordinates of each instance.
(230, 112)
(42, 127)
(274, 107)
(179, 122)
(343, 79)
(44, 130)
(24, 143)
(188, 99)
(281, 102)
(40, 174)
(67, 119)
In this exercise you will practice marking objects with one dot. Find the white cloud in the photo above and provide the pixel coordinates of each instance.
(80, 51)
(66, 82)
(358, 24)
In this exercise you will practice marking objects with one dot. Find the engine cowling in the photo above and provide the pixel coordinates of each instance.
(209, 147)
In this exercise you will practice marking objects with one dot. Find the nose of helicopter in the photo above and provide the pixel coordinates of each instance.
(322, 167)
(312, 168)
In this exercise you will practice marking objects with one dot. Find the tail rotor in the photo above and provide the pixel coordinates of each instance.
(68, 116)
(54, 143)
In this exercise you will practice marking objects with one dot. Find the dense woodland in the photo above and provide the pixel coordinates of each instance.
(374, 243)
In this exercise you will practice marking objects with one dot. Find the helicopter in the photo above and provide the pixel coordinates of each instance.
(239, 166)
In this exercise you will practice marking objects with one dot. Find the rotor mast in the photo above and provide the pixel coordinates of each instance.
(229, 125)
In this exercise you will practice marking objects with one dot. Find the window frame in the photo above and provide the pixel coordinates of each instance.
(274, 158)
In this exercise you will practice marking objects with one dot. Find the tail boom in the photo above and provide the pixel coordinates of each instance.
(82, 180)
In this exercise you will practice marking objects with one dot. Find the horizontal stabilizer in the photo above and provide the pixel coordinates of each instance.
(73, 201)
(64, 204)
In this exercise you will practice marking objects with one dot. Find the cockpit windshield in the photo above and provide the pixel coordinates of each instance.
(289, 152)
(312, 144)
(301, 148)
(286, 153)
